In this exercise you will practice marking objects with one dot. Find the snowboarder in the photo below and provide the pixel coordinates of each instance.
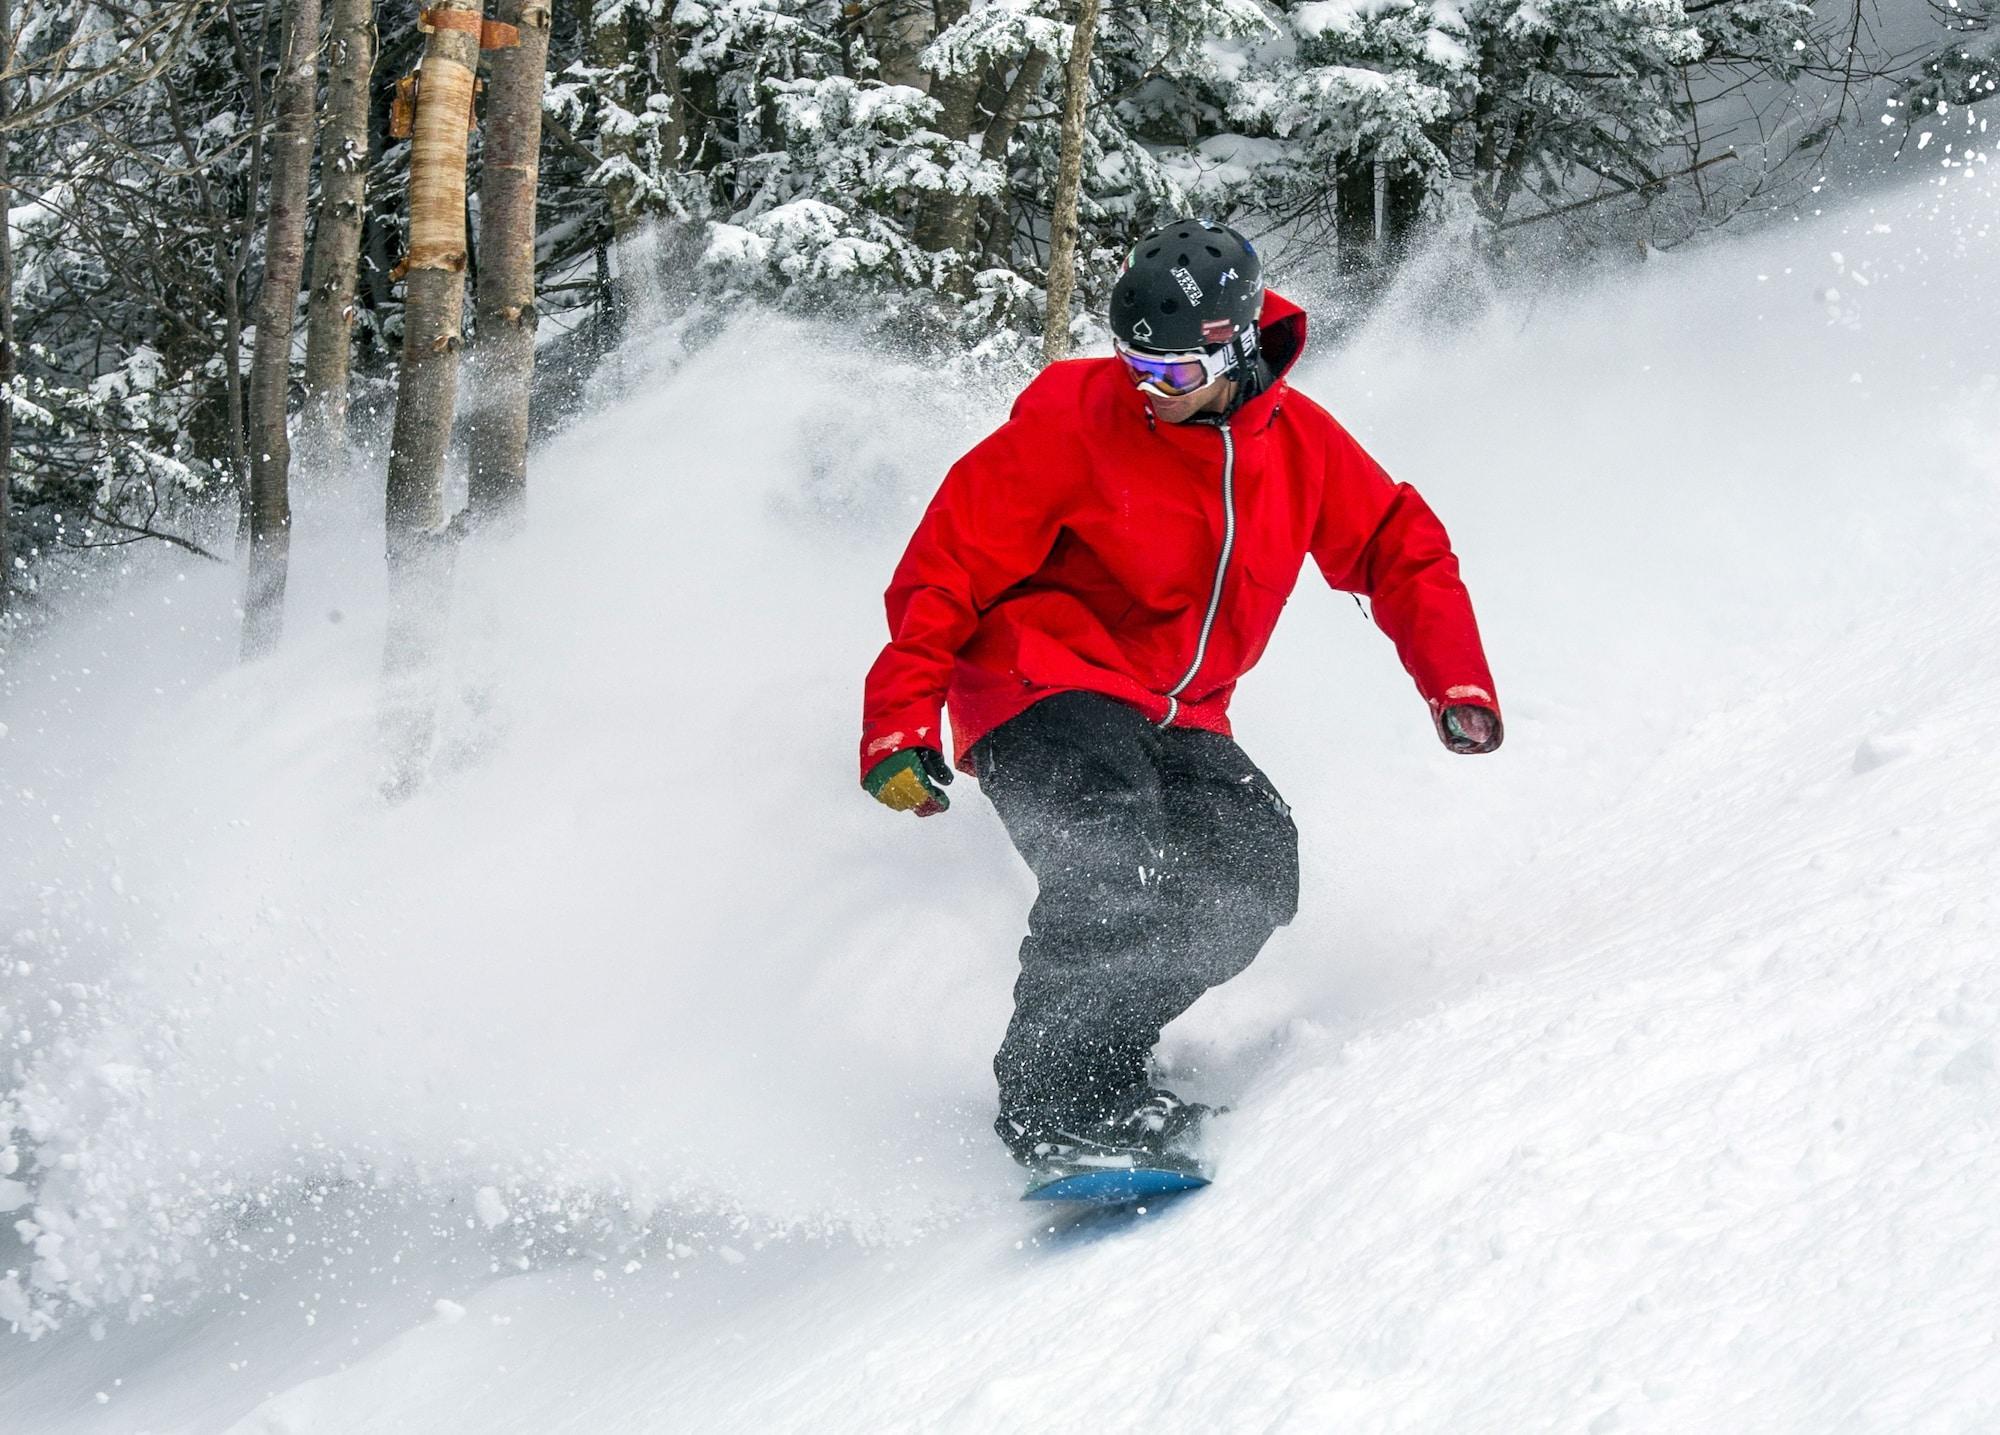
(1082, 594)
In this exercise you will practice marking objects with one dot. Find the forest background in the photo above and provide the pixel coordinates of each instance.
(206, 282)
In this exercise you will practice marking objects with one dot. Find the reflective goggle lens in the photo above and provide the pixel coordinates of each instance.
(1173, 374)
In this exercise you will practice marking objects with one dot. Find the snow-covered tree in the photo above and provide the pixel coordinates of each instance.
(891, 162)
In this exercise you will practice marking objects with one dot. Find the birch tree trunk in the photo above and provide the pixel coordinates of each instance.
(336, 253)
(504, 313)
(277, 305)
(1069, 184)
(418, 547)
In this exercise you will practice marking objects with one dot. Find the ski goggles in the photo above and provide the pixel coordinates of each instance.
(1174, 376)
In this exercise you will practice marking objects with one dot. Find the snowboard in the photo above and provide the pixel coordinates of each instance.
(1116, 1185)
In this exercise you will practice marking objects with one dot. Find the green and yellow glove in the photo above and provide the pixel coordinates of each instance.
(912, 780)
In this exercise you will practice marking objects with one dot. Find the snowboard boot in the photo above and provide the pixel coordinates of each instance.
(1145, 1126)
(1048, 1144)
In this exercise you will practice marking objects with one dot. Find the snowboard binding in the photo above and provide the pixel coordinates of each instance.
(1145, 1146)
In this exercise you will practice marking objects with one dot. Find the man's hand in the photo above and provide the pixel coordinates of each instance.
(1469, 729)
(912, 780)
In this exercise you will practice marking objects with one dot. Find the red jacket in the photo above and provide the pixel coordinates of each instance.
(1085, 545)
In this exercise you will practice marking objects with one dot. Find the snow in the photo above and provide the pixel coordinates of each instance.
(733, 244)
(1344, 79)
(632, 1076)
(1315, 18)
(492, 1211)
(1220, 162)
(1444, 35)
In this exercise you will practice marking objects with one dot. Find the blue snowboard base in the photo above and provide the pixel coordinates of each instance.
(1116, 1185)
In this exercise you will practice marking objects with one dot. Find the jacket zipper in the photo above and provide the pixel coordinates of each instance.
(1221, 569)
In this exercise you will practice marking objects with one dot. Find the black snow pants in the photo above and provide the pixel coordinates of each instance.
(1165, 861)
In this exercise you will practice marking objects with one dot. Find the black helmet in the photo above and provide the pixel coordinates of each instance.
(1192, 285)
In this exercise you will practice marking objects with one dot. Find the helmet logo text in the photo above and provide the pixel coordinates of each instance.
(1186, 281)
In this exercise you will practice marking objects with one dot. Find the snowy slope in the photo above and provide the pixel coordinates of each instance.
(632, 1078)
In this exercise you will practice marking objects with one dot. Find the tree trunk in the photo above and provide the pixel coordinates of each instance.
(417, 544)
(236, 268)
(1069, 184)
(611, 51)
(504, 315)
(955, 229)
(6, 303)
(607, 40)
(336, 254)
(897, 30)
(957, 98)
(277, 306)
(674, 133)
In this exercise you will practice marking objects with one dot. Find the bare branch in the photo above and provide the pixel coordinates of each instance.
(138, 533)
(1619, 194)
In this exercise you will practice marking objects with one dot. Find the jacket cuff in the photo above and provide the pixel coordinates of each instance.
(1462, 695)
(884, 740)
